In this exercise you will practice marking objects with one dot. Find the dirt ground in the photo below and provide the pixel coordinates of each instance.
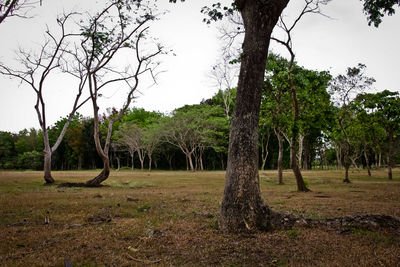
(170, 219)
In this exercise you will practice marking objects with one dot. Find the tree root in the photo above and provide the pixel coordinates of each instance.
(367, 222)
(78, 185)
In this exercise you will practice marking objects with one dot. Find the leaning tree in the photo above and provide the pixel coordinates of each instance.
(114, 33)
(35, 70)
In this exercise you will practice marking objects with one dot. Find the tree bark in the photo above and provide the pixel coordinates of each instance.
(243, 208)
(47, 165)
(95, 182)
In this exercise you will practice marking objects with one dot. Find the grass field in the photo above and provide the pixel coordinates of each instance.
(170, 218)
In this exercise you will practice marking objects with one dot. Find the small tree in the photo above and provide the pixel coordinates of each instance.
(104, 37)
(34, 71)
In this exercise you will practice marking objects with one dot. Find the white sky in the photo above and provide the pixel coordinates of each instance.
(320, 43)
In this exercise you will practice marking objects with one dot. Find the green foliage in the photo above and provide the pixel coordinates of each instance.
(376, 10)
(32, 160)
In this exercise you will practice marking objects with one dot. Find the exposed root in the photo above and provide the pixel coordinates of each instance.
(368, 222)
(78, 185)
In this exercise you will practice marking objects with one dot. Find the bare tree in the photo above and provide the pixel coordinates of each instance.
(181, 132)
(151, 137)
(16, 8)
(105, 36)
(131, 136)
(34, 71)
(224, 74)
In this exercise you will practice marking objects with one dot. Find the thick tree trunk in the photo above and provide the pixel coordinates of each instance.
(243, 208)
(102, 176)
(280, 156)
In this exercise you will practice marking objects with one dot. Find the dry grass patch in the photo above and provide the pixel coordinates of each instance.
(170, 218)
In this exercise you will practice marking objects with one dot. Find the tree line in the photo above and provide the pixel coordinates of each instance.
(339, 126)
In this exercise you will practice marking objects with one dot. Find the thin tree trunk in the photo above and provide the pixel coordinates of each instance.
(389, 154)
(346, 174)
(339, 157)
(132, 160)
(280, 156)
(367, 162)
(307, 154)
(264, 152)
(150, 160)
(301, 186)
(243, 208)
(347, 164)
(118, 163)
(47, 166)
(300, 152)
(189, 158)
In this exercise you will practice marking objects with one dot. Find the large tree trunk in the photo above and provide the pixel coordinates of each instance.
(243, 208)
(280, 156)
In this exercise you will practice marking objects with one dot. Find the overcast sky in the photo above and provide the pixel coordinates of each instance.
(320, 43)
